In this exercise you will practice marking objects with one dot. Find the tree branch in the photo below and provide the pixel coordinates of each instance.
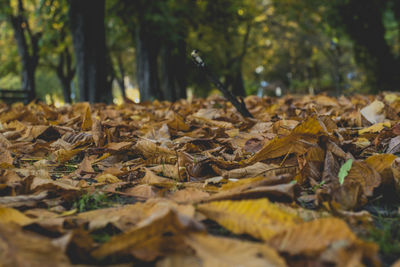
(239, 105)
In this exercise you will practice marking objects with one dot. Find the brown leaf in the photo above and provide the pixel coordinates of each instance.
(97, 133)
(250, 171)
(22, 200)
(382, 164)
(358, 185)
(189, 195)
(298, 141)
(20, 247)
(4, 143)
(177, 122)
(258, 218)
(6, 159)
(87, 119)
(119, 146)
(225, 252)
(150, 150)
(310, 239)
(142, 191)
(161, 221)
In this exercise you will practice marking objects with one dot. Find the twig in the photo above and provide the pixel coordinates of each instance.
(240, 106)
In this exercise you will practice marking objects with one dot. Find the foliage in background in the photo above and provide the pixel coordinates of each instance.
(301, 46)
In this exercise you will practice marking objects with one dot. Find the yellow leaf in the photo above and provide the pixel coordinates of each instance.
(87, 120)
(9, 215)
(258, 218)
(104, 156)
(362, 142)
(390, 98)
(376, 128)
(313, 238)
(396, 174)
(382, 164)
(226, 252)
(68, 212)
(107, 178)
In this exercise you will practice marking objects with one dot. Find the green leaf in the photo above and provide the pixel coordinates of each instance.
(344, 170)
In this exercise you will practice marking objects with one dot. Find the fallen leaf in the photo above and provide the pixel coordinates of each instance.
(22, 247)
(382, 164)
(163, 221)
(358, 185)
(301, 138)
(107, 178)
(376, 128)
(313, 238)
(220, 251)
(8, 215)
(344, 170)
(258, 218)
(6, 159)
(374, 112)
(189, 195)
(87, 119)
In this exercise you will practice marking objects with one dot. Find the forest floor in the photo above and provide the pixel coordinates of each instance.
(309, 181)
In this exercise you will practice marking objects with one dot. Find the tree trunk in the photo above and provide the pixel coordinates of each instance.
(147, 50)
(167, 73)
(88, 33)
(364, 24)
(238, 83)
(65, 74)
(234, 80)
(173, 70)
(29, 56)
(181, 69)
(121, 79)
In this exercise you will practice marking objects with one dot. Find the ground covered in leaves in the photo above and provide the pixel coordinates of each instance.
(310, 181)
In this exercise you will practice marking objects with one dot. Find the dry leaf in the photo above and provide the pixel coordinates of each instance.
(226, 252)
(107, 178)
(312, 238)
(160, 222)
(382, 164)
(298, 141)
(258, 218)
(374, 112)
(19, 248)
(10, 215)
(87, 119)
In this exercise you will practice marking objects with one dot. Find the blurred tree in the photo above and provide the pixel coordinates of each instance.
(56, 43)
(27, 43)
(299, 47)
(88, 32)
(160, 30)
(142, 20)
(120, 46)
(223, 31)
(363, 21)
(9, 58)
(178, 16)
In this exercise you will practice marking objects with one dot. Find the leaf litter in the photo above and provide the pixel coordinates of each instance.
(310, 180)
